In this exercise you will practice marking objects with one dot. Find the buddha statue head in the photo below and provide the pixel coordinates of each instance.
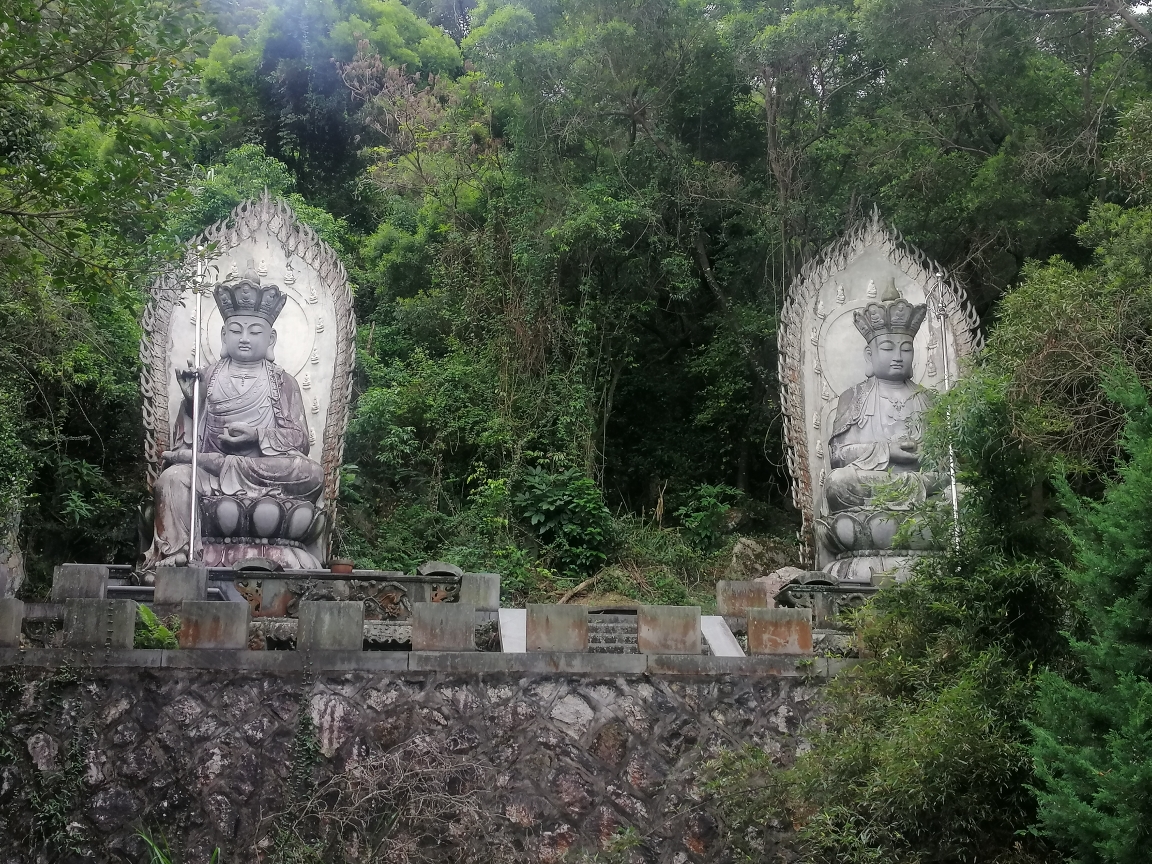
(249, 311)
(889, 328)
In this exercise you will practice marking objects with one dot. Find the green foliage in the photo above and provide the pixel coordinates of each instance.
(245, 173)
(923, 752)
(151, 632)
(567, 513)
(98, 105)
(1093, 740)
(161, 853)
(705, 515)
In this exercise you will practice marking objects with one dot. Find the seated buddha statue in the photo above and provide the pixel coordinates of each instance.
(256, 484)
(877, 431)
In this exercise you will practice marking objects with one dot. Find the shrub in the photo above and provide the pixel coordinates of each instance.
(566, 512)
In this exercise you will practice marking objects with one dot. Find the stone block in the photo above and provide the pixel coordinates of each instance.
(443, 627)
(99, 623)
(86, 581)
(557, 627)
(481, 590)
(668, 629)
(779, 631)
(177, 584)
(274, 598)
(330, 625)
(11, 621)
(213, 624)
(736, 598)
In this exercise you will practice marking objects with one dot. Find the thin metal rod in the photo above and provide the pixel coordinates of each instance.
(197, 291)
(942, 317)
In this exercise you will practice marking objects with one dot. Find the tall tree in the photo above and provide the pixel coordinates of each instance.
(97, 101)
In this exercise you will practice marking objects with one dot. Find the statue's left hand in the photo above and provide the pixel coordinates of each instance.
(176, 457)
(240, 433)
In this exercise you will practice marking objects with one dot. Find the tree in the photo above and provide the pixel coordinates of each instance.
(1093, 730)
(97, 103)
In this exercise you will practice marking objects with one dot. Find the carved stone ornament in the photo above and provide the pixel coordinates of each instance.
(259, 502)
(852, 431)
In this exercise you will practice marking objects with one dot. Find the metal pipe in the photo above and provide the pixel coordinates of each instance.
(942, 318)
(198, 292)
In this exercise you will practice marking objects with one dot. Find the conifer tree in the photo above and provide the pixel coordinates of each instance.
(1093, 733)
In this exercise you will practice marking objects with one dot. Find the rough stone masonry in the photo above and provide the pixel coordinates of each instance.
(208, 758)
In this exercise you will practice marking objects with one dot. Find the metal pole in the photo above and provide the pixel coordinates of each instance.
(943, 320)
(197, 291)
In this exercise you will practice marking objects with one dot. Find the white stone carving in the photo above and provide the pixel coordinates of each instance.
(266, 230)
(869, 254)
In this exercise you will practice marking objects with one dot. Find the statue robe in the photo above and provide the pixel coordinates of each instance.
(867, 426)
(264, 397)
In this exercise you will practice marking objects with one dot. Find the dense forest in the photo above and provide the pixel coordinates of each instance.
(570, 226)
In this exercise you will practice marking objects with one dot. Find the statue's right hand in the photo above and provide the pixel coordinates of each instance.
(176, 457)
(186, 378)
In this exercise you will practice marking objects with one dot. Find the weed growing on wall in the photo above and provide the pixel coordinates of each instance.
(41, 810)
(151, 632)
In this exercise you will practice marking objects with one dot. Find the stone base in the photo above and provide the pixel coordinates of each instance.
(875, 569)
(230, 554)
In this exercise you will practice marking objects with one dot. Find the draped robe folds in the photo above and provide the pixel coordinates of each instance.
(264, 397)
(869, 423)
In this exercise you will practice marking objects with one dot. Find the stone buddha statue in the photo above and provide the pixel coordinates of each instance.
(257, 487)
(874, 445)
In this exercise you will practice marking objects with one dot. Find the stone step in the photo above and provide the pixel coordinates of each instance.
(612, 634)
(616, 634)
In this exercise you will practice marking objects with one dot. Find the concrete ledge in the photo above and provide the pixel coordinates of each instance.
(480, 662)
(736, 598)
(330, 625)
(697, 664)
(43, 611)
(207, 624)
(86, 581)
(108, 624)
(463, 662)
(668, 629)
(289, 661)
(443, 627)
(481, 590)
(11, 622)
(779, 631)
(177, 584)
(54, 658)
(556, 627)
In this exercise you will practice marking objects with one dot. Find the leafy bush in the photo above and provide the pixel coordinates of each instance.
(151, 632)
(705, 514)
(566, 512)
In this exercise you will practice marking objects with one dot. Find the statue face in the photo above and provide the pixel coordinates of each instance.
(890, 356)
(247, 338)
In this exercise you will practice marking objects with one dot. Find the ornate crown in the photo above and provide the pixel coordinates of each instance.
(893, 314)
(244, 296)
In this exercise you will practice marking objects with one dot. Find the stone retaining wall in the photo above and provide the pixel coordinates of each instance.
(206, 754)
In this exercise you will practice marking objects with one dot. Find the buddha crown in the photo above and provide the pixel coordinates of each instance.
(244, 296)
(893, 314)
